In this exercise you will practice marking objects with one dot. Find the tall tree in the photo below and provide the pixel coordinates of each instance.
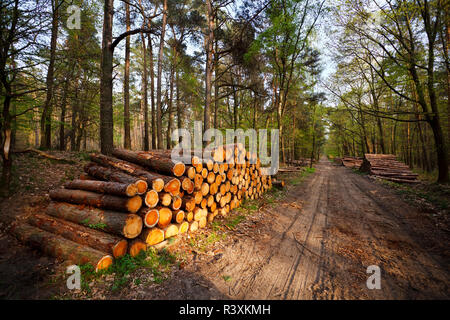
(106, 78)
(46, 120)
(159, 79)
(126, 83)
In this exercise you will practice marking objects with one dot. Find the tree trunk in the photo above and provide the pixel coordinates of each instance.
(127, 225)
(106, 82)
(152, 92)
(62, 138)
(46, 120)
(170, 108)
(209, 64)
(159, 80)
(6, 143)
(126, 84)
(145, 95)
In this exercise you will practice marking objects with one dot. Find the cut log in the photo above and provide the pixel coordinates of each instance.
(170, 231)
(176, 202)
(151, 199)
(136, 246)
(386, 166)
(211, 177)
(202, 222)
(114, 188)
(97, 200)
(155, 162)
(213, 188)
(165, 217)
(93, 238)
(198, 180)
(187, 185)
(205, 188)
(188, 203)
(165, 199)
(199, 213)
(198, 196)
(152, 236)
(129, 226)
(171, 185)
(61, 248)
(204, 173)
(150, 217)
(113, 175)
(178, 216)
(193, 226)
(209, 164)
(210, 200)
(183, 227)
(189, 216)
(132, 169)
(190, 172)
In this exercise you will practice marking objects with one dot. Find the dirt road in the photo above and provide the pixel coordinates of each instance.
(318, 243)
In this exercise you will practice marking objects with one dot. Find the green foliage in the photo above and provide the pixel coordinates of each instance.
(299, 178)
(154, 263)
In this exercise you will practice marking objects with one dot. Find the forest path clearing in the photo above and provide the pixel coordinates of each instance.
(324, 235)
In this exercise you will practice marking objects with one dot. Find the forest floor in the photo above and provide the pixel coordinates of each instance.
(312, 240)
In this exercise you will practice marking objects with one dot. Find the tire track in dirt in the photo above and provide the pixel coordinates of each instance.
(422, 268)
(322, 250)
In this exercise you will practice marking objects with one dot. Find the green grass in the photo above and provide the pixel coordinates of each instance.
(156, 264)
(357, 171)
(299, 178)
(97, 226)
(202, 242)
(436, 194)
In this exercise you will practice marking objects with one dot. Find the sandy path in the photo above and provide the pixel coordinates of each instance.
(321, 241)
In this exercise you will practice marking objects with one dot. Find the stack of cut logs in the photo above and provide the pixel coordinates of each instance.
(135, 199)
(301, 162)
(352, 162)
(386, 166)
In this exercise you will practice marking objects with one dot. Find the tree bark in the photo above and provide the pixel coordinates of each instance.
(159, 80)
(209, 64)
(152, 92)
(104, 242)
(46, 120)
(106, 82)
(158, 181)
(97, 200)
(113, 188)
(110, 174)
(126, 84)
(127, 225)
(145, 94)
(61, 248)
(153, 161)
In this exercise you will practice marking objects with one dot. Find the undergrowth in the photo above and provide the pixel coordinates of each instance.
(155, 264)
(436, 194)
